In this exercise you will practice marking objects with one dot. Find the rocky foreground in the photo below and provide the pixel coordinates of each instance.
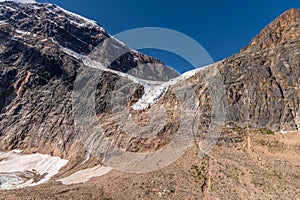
(244, 165)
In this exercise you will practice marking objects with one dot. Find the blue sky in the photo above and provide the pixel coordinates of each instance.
(221, 27)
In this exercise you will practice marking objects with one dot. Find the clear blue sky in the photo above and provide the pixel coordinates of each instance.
(221, 27)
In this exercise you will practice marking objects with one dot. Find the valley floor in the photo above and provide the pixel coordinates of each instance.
(243, 165)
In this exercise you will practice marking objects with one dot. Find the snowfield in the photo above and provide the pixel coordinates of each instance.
(19, 170)
(85, 175)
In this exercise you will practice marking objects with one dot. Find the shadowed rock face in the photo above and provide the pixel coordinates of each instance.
(37, 77)
(34, 23)
(37, 74)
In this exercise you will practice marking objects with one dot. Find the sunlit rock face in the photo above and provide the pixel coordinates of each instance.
(263, 80)
(282, 31)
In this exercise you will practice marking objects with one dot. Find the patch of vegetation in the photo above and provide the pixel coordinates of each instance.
(240, 129)
(244, 130)
(147, 192)
(266, 131)
(172, 190)
(102, 196)
(197, 172)
(236, 59)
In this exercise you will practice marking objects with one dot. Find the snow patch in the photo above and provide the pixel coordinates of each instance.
(3, 22)
(23, 34)
(8, 7)
(85, 175)
(78, 16)
(21, 1)
(93, 64)
(19, 170)
(153, 93)
(71, 53)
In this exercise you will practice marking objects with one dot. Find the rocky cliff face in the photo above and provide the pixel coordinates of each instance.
(38, 69)
(263, 81)
(260, 89)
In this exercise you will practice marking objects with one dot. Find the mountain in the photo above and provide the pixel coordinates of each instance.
(230, 110)
(265, 77)
(38, 68)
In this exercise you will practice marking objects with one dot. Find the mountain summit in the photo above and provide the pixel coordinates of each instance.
(283, 30)
(46, 24)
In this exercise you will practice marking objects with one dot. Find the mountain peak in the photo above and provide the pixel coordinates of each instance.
(46, 7)
(283, 30)
(39, 23)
